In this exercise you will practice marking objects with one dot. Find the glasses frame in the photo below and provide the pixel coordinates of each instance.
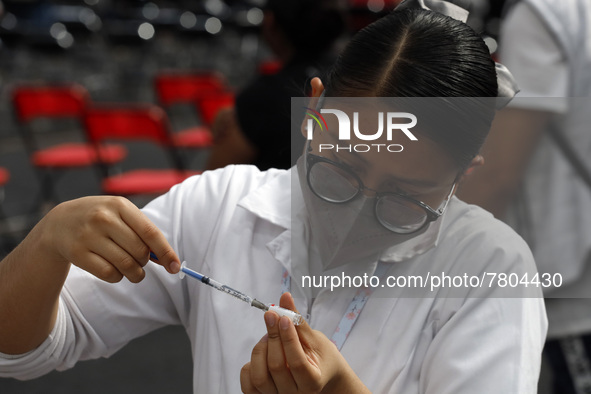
(432, 214)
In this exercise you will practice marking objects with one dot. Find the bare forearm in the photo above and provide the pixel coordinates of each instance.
(30, 283)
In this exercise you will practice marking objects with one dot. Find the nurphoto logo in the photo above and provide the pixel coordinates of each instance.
(392, 121)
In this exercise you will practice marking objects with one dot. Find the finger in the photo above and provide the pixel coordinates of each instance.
(286, 301)
(99, 267)
(259, 373)
(128, 240)
(120, 259)
(245, 383)
(151, 236)
(304, 330)
(276, 362)
(301, 366)
(106, 222)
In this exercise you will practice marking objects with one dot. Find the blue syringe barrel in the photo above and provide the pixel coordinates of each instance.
(296, 318)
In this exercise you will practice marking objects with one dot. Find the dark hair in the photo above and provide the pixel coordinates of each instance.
(419, 53)
(312, 26)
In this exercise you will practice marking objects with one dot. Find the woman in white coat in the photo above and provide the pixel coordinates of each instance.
(337, 214)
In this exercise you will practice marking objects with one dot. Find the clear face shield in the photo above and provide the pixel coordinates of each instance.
(348, 225)
(349, 220)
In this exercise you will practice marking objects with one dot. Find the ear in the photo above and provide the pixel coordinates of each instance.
(476, 162)
(317, 90)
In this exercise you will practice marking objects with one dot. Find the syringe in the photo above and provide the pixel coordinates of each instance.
(296, 318)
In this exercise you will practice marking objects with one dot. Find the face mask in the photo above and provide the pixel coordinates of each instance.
(346, 233)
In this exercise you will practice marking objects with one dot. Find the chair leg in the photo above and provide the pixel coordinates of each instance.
(47, 196)
(48, 193)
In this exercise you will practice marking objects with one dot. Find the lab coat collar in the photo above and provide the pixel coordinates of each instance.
(272, 201)
(282, 194)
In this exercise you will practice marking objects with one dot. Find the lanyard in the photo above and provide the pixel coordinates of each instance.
(356, 305)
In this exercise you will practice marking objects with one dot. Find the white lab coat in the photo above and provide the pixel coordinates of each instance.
(233, 224)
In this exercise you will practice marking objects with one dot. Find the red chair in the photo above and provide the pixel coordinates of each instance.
(176, 87)
(133, 123)
(32, 102)
(4, 176)
(209, 105)
(270, 67)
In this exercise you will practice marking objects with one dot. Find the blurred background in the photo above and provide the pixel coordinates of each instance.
(170, 65)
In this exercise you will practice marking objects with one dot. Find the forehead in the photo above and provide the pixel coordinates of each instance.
(422, 160)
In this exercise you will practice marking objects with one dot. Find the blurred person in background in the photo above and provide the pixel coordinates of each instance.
(301, 34)
(537, 158)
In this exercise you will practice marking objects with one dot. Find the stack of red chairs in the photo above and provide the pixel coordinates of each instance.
(4, 177)
(33, 102)
(209, 105)
(188, 87)
(135, 122)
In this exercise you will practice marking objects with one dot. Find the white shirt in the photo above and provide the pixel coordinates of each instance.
(534, 58)
(234, 225)
(552, 214)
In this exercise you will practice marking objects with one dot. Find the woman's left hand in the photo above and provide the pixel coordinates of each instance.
(290, 359)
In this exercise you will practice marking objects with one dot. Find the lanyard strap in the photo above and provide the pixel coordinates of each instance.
(348, 320)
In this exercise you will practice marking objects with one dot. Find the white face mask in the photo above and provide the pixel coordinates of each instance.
(349, 232)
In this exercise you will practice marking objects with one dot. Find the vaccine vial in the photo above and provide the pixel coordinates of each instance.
(295, 318)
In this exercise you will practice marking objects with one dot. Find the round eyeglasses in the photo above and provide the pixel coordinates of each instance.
(338, 184)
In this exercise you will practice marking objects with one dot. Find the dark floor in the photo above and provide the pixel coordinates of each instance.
(157, 363)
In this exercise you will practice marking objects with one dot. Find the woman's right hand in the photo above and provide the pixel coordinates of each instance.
(107, 236)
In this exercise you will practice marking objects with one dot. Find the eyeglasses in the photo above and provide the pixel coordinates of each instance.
(338, 184)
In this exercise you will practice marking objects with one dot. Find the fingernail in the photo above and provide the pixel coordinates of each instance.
(265, 338)
(175, 267)
(270, 319)
(284, 323)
